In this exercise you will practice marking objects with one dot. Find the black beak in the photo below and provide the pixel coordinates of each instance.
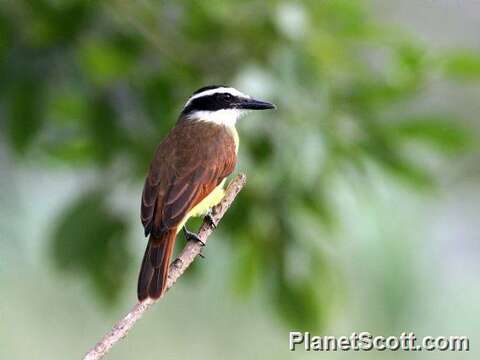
(253, 104)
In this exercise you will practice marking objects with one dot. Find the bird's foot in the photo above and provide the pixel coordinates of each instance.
(190, 235)
(210, 220)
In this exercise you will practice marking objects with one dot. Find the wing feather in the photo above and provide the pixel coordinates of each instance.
(191, 162)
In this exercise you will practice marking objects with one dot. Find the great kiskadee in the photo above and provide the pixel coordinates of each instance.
(187, 175)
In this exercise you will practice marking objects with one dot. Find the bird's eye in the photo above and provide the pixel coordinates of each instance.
(227, 96)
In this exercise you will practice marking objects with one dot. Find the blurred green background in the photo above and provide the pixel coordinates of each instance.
(362, 204)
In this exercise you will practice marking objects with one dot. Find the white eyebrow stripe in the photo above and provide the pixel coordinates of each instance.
(229, 90)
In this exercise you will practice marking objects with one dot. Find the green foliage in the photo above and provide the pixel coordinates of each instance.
(91, 241)
(99, 84)
(24, 111)
(437, 131)
(461, 65)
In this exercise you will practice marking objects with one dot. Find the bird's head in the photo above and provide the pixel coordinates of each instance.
(221, 104)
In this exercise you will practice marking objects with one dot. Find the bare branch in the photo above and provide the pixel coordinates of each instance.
(177, 268)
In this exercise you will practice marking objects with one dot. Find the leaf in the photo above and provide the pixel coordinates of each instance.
(302, 301)
(391, 160)
(89, 240)
(261, 149)
(318, 202)
(6, 35)
(298, 303)
(25, 113)
(73, 151)
(461, 65)
(159, 101)
(444, 134)
(104, 131)
(57, 23)
(105, 61)
(247, 266)
(411, 57)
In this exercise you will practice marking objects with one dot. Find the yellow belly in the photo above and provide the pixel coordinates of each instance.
(202, 208)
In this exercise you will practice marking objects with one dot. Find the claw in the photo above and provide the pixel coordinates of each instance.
(211, 222)
(189, 235)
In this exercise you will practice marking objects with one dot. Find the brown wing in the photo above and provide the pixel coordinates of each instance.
(193, 159)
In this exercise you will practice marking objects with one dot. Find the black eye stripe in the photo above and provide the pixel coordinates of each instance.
(226, 96)
(212, 102)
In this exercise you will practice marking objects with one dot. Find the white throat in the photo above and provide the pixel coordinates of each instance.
(226, 117)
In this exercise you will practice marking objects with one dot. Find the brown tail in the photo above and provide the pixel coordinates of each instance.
(154, 271)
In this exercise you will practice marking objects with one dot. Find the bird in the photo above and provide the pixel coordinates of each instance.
(187, 175)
